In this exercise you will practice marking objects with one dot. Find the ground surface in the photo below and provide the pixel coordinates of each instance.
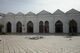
(49, 44)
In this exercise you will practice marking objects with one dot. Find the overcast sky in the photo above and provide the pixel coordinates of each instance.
(38, 5)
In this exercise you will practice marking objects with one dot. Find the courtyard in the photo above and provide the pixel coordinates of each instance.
(47, 44)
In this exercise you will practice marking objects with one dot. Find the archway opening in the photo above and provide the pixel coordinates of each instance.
(19, 27)
(41, 27)
(58, 27)
(30, 27)
(46, 27)
(8, 27)
(72, 26)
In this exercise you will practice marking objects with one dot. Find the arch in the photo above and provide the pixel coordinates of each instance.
(41, 27)
(72, 26)
(30, 27)
(19, 27)
(58, 27)
(46, 27)
(9, 26)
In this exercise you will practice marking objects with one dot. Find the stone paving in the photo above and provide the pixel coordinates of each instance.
(49, 44)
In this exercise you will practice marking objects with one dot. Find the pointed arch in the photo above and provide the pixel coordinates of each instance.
(58, 27)
(46, 27)
(8, 27)
(18, 27)
(41, 27)
(30, 27)
(72, 26)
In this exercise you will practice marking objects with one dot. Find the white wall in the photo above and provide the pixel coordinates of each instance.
(24, 19)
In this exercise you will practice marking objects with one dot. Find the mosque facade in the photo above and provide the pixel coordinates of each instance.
(42, 22)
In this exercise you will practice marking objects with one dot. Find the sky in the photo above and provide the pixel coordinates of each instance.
(36, 6)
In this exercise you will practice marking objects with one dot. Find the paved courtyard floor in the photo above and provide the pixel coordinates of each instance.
(48, 44)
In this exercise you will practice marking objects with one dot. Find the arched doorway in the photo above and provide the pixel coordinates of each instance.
(8, 28)
(30, 27)
(46, 27)
(19, 27)
(41, 27)
(58, 27)
(72, 26)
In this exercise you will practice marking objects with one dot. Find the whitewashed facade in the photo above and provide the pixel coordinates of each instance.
(58, 22)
